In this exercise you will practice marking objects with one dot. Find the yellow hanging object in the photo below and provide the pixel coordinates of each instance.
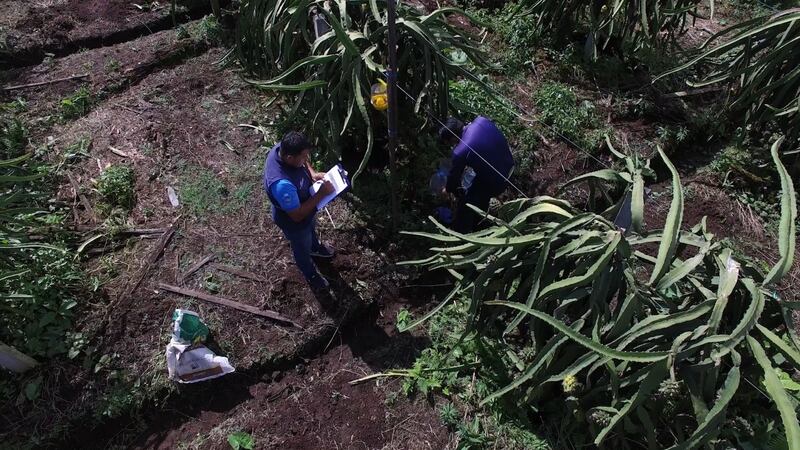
(379, 98)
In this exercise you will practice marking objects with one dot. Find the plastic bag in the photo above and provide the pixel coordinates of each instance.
(188, 328)
(467, 178)
(188, 361)
(438, 180)
(191, 365)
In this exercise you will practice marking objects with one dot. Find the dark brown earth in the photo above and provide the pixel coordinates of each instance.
(175, 114)
(29, 31)
(165, 105)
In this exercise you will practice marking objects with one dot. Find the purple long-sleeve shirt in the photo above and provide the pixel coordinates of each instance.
(482, 136)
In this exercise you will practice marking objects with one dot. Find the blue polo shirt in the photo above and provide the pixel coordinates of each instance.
(286, 195)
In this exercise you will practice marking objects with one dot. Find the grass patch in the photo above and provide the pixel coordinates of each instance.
(203, 192)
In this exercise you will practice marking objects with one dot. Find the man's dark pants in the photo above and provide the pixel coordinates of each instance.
(303, 242)
(479, 195)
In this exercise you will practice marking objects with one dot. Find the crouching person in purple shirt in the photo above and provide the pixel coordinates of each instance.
(288, 175)
(481, 146)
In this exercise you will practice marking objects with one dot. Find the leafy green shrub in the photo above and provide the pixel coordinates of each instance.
(13, 137)
(208, 29)
(602, 336)
(77, 105)
(557, 105)
(39, 286)
(116, 186)
(471, 100)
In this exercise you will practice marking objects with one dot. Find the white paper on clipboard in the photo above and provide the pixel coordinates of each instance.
(337, 179)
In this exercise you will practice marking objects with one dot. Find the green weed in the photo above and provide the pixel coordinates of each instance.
(403, 319)
(39, 310)
(13, 137)
(241, 440)
(518, 37)
(211, 284)
(182, 33)
(449, 415)
(558, 106)
(208, 29)
(77, 105)
(766, 205)
(471, 100)
(471, 436)
(77, 150)
(116, 187)
(112, 65)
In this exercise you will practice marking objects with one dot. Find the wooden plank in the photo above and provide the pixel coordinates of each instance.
(156, 253)
(196, 267)
(229, 303)
(14, 360)
(239, 272)
(42, 83)
(705, 90)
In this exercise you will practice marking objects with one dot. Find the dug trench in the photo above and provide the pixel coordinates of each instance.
(32, 32)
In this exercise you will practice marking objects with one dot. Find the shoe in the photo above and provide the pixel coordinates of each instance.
(323, 252)
(319, 283)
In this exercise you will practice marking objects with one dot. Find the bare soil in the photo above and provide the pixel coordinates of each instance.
(175, 115)
(29, 31)
(164, 107)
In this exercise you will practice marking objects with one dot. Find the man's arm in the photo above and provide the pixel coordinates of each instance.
(459, 162)
(316, 176)
(286, 195)
(310, 206)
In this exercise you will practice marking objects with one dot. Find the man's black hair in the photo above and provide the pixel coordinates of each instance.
(293, 143)
(452, 126)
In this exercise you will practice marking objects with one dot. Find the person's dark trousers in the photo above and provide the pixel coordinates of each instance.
(303, 242)
(478, 195)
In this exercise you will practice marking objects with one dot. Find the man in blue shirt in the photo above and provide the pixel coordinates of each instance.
(288, 177)
(481, 146)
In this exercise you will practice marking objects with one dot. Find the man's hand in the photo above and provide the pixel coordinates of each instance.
(326, 188)
(310, 206)
(317, 176)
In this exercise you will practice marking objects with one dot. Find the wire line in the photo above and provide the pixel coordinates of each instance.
(525, 116)
(472, 150)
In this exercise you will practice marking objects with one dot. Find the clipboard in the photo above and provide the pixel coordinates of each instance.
(338, 177)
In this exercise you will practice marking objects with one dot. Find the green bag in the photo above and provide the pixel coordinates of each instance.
(188, 328)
